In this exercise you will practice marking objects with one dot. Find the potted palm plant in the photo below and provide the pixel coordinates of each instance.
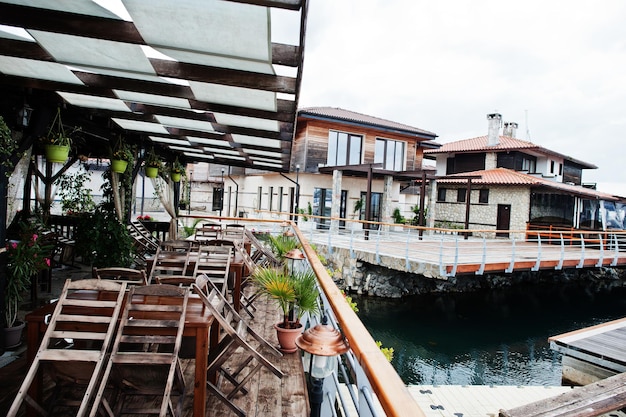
(25, 259)
(153, 164)
(295, 294)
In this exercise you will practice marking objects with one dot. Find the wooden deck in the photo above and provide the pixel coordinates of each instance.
(267, 396)
(592, 353)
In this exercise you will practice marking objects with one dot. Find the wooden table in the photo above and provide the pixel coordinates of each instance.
(198, 320)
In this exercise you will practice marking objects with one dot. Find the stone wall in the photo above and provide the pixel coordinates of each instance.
(484, 216)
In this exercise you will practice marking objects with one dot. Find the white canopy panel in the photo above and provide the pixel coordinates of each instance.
(189, 77)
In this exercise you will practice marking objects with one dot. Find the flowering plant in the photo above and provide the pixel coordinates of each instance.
(146, 218)
(177, 167)
(26, 258)
(153, 160)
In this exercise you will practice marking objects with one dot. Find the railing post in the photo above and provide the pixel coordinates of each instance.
(581, 263)
(406, 255)
(560, 264)
(330, 249)
(512, 263)
(456, 257)
(442, 270)
(616, 257)
(352, 254)
(481, 270)
(601, 259)
(538, 263)
(378, 246)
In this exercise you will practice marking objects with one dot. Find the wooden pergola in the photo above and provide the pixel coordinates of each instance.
(202, 80)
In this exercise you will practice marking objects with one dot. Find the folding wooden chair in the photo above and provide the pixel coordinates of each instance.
(247, 296)
(214, 262)
(127, 275)
(75, 346)
(235, 336)
(169, 263)
(144, 360)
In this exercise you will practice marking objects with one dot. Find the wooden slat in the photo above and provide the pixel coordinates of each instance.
(591, 400)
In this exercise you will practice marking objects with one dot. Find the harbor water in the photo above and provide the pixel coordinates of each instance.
(495, 337)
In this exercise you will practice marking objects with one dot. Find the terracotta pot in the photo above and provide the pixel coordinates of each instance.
(119, 166)
(287, 338)
(13, 335)
(56, 153)
(152, 172)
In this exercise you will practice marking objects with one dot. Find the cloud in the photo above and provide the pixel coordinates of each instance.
(557, 68)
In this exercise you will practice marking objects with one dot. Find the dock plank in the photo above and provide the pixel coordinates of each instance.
(591, 400)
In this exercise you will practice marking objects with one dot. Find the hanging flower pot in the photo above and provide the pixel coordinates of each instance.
(57, 153)
(176, 176)
(152, 172)
(119, 166)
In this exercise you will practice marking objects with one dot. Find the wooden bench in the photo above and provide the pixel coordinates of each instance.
(590, 400)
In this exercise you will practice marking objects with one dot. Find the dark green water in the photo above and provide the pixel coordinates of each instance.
(486, 338)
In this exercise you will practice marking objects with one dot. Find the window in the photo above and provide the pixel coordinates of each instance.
(390, 153)
(560, 169)
(218, 199)
(441, 194)
(460, 195)
(280, 199)
(258, 198)
(344, 148)
(483, 196)
(270, 199)
(528, 165)
(551, 167)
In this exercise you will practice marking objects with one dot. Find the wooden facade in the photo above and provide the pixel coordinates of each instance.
(310, 145)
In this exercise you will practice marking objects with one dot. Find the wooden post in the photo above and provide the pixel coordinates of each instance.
(468, 195)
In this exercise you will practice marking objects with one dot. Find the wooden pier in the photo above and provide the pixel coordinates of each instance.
(444, 256)
(592, 353)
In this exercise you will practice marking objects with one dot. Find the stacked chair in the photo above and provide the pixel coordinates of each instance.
(170, 261)
(75, 347)
(119, 274)
(208, 231)
(144, 360)
(237, 338)
(213, 262)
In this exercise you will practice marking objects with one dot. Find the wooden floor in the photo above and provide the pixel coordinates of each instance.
(267, 396)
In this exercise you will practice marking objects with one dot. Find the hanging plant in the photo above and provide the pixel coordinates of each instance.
(57, 143)
(153, 164)
(121, 157)
(177, 170)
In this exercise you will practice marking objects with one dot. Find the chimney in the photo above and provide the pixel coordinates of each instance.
(495, 121)
(510, 129)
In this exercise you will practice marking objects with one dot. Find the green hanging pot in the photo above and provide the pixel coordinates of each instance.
(176, 176)
(119, 166)
(152, 172)
(57, 153)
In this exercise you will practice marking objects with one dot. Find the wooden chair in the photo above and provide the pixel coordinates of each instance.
(171, 263)
(127, 275)
(208, 231)
(237, 336)
(144, 360)
(247, 296)
(234, 231)
(214, 263)
(75, 346)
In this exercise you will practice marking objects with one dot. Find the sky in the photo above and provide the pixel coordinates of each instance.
(557, 68)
